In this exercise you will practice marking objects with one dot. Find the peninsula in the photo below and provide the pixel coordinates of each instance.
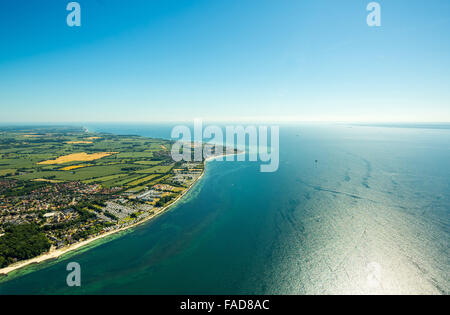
(63, 187)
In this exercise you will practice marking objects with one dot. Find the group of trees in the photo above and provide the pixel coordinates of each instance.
(89, 231)
(22, 188)
(22, 242)
(129, 169)
(83, 217)
(110, 215)
(164, 200)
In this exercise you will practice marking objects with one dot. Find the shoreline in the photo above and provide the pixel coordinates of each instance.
(59, 252)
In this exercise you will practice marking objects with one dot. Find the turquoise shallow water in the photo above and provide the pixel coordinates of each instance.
(371, 216)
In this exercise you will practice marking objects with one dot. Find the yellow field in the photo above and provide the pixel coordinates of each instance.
(32, 136)
(93, 138)
(79, 142)
(46, 180)
(74, 167)
(77, 157)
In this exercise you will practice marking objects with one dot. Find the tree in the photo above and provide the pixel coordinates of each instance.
(22, 242)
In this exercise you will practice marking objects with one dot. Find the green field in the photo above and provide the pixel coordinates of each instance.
(137, 160)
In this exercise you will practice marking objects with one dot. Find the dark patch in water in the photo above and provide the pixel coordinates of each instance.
(347, 177)
(334, 192)
(365, 181)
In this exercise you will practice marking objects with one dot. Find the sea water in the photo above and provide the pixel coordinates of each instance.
(351, 210)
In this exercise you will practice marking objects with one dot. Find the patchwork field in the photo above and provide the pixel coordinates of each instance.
(71, 154)
(79, 142)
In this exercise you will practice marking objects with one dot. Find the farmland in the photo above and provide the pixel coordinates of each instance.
(74, 155)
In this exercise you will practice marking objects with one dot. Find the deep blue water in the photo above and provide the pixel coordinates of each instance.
(371, 216)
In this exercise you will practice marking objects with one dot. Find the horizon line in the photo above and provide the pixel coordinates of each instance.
(222, 121)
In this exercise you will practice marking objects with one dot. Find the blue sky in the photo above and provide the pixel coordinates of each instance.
(148, 60)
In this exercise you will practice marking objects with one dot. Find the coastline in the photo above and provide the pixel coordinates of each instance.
(59, 252)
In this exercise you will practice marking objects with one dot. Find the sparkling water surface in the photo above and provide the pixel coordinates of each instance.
(370, 216)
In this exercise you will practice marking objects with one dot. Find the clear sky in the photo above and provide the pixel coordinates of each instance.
(149, 60)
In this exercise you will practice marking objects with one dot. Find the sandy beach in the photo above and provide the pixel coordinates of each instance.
(53, 254)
